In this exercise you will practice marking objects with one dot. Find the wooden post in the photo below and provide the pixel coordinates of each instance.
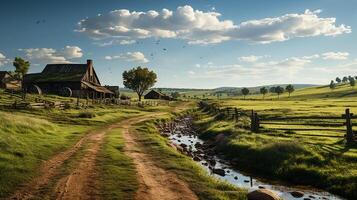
(236, 114)
(93, 97)
(257, 123)
(349, 131)
(252, 121)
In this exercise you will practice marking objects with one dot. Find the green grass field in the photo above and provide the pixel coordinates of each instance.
(301, 137)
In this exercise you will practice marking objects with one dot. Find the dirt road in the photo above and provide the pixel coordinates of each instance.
(155, 182)
(82, 182)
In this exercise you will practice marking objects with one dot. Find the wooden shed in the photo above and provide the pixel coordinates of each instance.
(76, 80)
(153, 94)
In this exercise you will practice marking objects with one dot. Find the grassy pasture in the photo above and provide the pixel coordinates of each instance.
(301, 138)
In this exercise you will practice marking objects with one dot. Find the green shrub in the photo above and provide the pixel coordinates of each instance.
(86, 115)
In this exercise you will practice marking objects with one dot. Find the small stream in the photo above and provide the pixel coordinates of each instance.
(184, 138)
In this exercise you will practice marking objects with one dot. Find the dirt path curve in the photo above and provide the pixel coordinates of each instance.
(82, 183)
(155, 182)
(79, 184)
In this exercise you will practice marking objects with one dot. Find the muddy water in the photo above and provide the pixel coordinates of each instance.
(183, 136)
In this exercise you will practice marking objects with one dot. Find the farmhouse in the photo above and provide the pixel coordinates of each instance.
(77, 80)
(153, 94)
(9, 82)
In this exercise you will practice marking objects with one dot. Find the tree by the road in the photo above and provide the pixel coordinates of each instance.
(338, 80)
(139, 79)
(245, 92)
(352, 81)
(21, 66)
(332, 85)
(345, 79)
(279, 90)
(290, 89)
(263, 91)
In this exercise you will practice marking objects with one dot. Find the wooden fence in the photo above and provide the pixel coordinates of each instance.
(256, 120)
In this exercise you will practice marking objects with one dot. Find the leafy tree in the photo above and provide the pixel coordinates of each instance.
(279, 90)
(332, 85)
(338, 80)
(272, 89)
(21, 66)
(290, 89)
(175, 95)
(245, 92)
(345, 79)
(139, 79)
(352, 81)
(263, 91)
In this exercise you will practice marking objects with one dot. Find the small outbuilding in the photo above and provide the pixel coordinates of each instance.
(153, 94)
(9, 82)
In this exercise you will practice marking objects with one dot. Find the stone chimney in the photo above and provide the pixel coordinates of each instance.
(90, 67)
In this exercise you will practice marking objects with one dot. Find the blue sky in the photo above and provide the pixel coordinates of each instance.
(195, 44)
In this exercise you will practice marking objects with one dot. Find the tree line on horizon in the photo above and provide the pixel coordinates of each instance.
(346, 79)
(275, 89)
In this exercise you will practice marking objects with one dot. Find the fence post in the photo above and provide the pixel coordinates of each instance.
(236, 114)
(254, 125)
(349, 131)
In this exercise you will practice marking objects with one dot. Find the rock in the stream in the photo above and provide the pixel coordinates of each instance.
(183, 145)
(235, 178)
(297, 194)
(212, 162)
(263, 194)
(220, 172)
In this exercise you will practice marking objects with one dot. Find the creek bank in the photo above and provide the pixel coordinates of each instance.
(184, 137)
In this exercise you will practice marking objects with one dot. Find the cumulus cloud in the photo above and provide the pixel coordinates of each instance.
(3, 59)
(251, 58)
(335, 55)
(200, 27)
(72, 52)
(50, 55)
(130, 57)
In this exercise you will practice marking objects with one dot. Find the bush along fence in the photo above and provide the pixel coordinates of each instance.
(256, 120)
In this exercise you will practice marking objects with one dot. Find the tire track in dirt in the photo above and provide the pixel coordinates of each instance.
(50, 168)
(155, 182)
(82, 183)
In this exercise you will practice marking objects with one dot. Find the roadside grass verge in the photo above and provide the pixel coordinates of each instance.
(205, 186)
(118, 175)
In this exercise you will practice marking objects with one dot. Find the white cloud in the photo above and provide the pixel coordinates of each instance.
(335, 55)
(72, 52)
(50, 55)
(115, 42)
(200, 27)
(130, 57)
(251, 58)
(3, 59)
